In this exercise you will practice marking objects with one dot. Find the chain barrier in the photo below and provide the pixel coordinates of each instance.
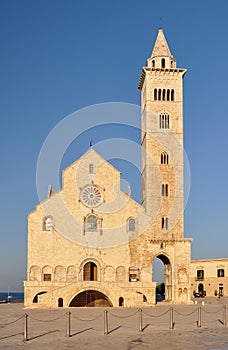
(121, 316)
(212, 312)
(86, 320)
(54, 319)
(189, 314)
(106, 314)
(7, 324)
(161, 315)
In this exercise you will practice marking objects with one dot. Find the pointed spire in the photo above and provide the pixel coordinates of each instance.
(161, 47)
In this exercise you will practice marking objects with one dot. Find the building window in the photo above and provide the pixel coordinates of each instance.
(220, 273)
(121, 301)
(60, 302)
(159, 94)
(91, 168)
(164, 121)
(168, 95)
(165, 223)
(165, 190)
(164, 158)
(48, 223)
(172, 95)
(155, 94)
(200, 275)
(133, 274)
(163, 62)
(153, 63)
(163, 94)
(90, 272)
(47, 277)
(91, 223)
(131, 225)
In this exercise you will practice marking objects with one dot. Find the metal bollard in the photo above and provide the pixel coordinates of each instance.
(199, 317)
(140, 320)
(68, 324)
(105, 322)
(25, 333)
(224, 315)
(171, 319)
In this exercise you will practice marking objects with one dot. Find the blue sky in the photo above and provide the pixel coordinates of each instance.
(60, 56)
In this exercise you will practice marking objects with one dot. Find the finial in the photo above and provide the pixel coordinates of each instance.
(91, 143)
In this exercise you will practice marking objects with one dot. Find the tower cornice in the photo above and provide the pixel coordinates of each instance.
(159, 70)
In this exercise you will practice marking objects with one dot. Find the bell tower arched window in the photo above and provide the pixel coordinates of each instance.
(155, 94)
(163, 62)
(164, 158)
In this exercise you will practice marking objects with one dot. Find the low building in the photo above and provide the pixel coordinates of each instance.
(210, 277)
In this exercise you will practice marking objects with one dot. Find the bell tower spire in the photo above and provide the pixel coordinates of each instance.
(161, 56)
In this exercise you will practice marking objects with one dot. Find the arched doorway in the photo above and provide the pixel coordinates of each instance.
(90, 298)
(60, 302)
(163, 276)
(201, 289)
(121, 301)
(90, 271)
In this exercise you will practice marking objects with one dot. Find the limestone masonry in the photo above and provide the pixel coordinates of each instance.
(90, 244)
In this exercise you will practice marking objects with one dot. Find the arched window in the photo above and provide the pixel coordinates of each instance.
(172, 95)
(165, 223)
(165, 190)
(48, 223)
(159, 94)
(91, 168)
(155, 94)
(163, 62)
(164, 158)
(164, 121)
(91, 223)
(168, 95)
(163, 94)
(153, 63)
(90, 271)
(131, 225)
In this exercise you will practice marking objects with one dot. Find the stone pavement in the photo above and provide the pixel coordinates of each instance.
(49, 329)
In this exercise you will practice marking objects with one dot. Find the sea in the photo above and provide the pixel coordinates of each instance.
(15, 296)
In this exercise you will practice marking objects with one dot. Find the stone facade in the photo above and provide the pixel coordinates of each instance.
(90, 244)
(210, 277)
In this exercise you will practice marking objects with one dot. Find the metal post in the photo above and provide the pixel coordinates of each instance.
(140, 320)
(105, 322)
(171, 318)
(224, 315)
(25, 334)
(199, 317)
(68, 324)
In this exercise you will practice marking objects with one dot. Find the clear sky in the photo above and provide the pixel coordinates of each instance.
(59, 56)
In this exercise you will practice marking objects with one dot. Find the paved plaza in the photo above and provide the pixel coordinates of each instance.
(49, 329)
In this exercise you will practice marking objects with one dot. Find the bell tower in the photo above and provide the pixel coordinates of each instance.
(161, 86)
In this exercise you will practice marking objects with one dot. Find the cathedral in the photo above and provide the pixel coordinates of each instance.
(95, 255)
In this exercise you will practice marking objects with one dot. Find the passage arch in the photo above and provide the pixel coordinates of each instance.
(90, 298)
(167, 272)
